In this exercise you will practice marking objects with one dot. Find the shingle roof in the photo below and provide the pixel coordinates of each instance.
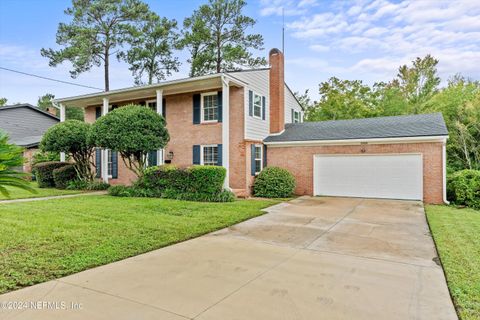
(368, 128)
(25, 124)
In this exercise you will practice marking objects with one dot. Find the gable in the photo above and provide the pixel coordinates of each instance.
(24, 125)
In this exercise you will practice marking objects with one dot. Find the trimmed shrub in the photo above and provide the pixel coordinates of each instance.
(463, 188)
(62, 176)
(87, 185)
(196, 183)
(274, 182)
(206, 179)
(120, 191)
(44, 173)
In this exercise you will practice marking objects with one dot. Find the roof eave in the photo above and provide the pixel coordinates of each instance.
(385, 140)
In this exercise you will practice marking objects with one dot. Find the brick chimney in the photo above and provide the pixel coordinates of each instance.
(277, 91)
(52, 110)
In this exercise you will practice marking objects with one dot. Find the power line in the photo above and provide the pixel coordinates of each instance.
(46, 78)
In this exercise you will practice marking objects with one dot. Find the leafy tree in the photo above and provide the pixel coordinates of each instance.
(304, 100)
(419, 82)
(72, 137)
(97, 29)
(151, 51)
(11, 156)
(216, 37)
(45, 102)
(132, 131)
(343, 99)
(3, 102)
(460, 104)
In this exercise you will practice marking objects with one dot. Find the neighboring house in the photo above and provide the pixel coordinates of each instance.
(25, 125)
(248, 119)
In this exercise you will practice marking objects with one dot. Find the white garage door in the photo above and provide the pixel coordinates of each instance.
(369, 176)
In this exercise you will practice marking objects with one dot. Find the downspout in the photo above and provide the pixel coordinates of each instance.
(444, 160)
(226, 130)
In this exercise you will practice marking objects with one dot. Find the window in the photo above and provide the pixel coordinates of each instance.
(210, 155)
(152, 104)
(258, 159)
(110, 163)
(296, 116)
(209, 107)
(257, 105)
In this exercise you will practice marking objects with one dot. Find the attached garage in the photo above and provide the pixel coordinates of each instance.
(401, 157)
(391, 176)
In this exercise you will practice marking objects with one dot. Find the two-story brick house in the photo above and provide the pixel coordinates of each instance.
(247, 119)
(218, 119)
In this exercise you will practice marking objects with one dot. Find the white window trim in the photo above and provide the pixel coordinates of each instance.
(202, 147)
(261, 158)
(212, 93)
(109, 160)
(253, 106)
(148, 101)
(297, 113)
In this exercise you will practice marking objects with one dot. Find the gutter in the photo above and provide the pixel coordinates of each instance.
(444, 161)
(356, 141)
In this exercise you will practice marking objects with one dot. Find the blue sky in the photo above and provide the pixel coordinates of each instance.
(357, 39)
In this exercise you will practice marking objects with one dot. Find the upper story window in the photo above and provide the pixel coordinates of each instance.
(296, 116)
(257, 105)
(210, 155)
(209, 107)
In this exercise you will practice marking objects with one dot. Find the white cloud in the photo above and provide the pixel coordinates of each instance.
(319, 48)
(286, 7)
(375, 37)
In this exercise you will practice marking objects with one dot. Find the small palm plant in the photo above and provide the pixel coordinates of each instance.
(11, 156)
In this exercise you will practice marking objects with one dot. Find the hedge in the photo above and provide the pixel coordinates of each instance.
(196, 183)
(44, 172)
(62, 176)
(274, 182)
(463, 188)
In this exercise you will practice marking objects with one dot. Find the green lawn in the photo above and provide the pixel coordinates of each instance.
(16, 193)
(457, 237)
(48, 239)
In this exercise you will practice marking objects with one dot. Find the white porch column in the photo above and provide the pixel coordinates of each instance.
(104, 153)
(62, 119)
(160, 152)
(226, 130)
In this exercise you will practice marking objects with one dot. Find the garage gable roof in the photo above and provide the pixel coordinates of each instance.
(421, 125)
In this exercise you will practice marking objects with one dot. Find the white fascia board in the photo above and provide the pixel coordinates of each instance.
(130, 89)
(356, 141)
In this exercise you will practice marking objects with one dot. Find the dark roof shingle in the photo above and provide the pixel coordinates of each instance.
(368, 128)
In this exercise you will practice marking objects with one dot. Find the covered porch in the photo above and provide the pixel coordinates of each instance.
(154, 96)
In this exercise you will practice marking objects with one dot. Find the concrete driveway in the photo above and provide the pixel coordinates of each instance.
(310, 258)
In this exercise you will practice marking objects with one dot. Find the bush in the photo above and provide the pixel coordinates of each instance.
(43, 156)
(71, 137)
(87, 185)
(197, 183)
(44, 173)
(274, 182)
(120, 191)
(463, 188)
(62, 176)
(132, 131)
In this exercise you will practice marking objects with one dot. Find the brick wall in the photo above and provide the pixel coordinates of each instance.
(277, 91)
(184, 134)
(299, 161)
(28, 155)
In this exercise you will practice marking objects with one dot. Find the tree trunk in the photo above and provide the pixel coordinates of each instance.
(106, 66)
(219, 54)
